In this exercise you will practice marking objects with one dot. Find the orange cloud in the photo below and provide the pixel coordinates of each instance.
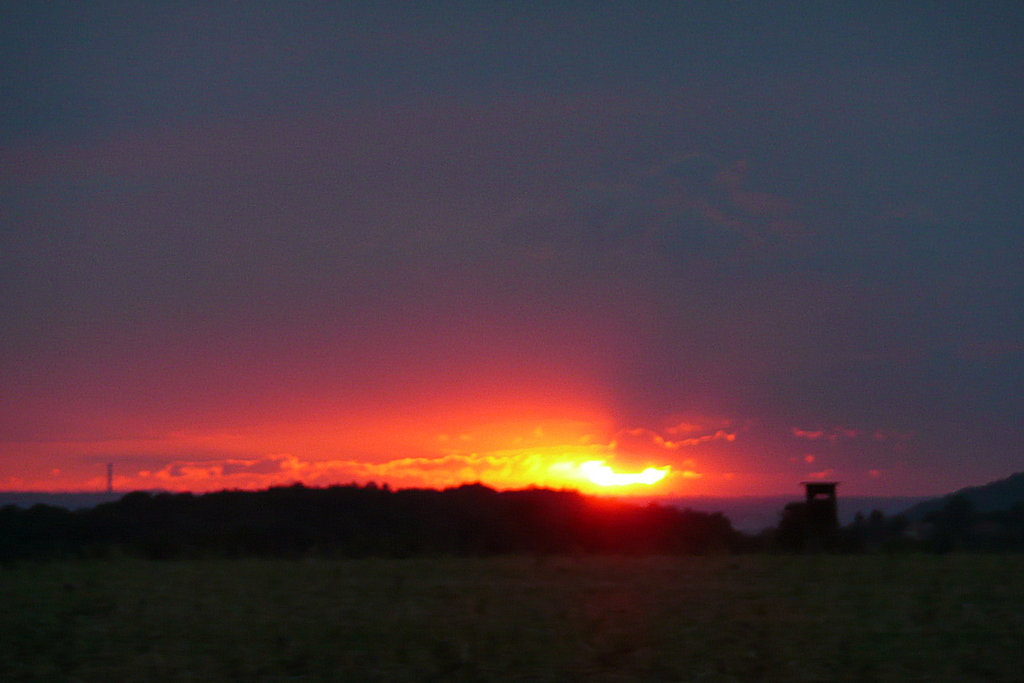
(553, 466)
(684, 428)
(720, 434)
(514, 454)
(640, 436)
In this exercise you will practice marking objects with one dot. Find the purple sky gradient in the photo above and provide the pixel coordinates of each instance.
(777, 219)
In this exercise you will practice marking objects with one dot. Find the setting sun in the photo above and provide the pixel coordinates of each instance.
(597, 472)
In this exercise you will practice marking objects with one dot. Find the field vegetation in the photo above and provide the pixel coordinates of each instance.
(543, 617)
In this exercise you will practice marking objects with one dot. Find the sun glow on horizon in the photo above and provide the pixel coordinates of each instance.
(590, 454)
(597, 472)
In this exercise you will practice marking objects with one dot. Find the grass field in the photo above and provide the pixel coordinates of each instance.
(953, 617)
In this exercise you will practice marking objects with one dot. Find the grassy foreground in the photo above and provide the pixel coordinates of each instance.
(560, 618)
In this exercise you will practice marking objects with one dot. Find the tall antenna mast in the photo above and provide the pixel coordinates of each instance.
(110, 477)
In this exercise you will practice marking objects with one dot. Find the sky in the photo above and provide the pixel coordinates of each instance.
(739, 245)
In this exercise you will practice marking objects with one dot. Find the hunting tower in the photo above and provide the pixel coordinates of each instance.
(813, 523)
(822, 510)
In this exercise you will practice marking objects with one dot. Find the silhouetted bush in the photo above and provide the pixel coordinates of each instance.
(956, 527)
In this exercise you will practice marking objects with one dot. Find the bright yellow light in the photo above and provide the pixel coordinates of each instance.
(603, 475)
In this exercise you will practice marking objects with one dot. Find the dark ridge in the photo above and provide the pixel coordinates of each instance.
(1001, 494)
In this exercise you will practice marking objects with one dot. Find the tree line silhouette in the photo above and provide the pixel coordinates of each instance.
(957, 526)
(352, 521)
(356, 521)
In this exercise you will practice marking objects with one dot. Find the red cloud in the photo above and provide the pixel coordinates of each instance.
(641, 436)
(831, 435)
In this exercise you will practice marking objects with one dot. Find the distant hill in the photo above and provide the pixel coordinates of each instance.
(997, 495)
